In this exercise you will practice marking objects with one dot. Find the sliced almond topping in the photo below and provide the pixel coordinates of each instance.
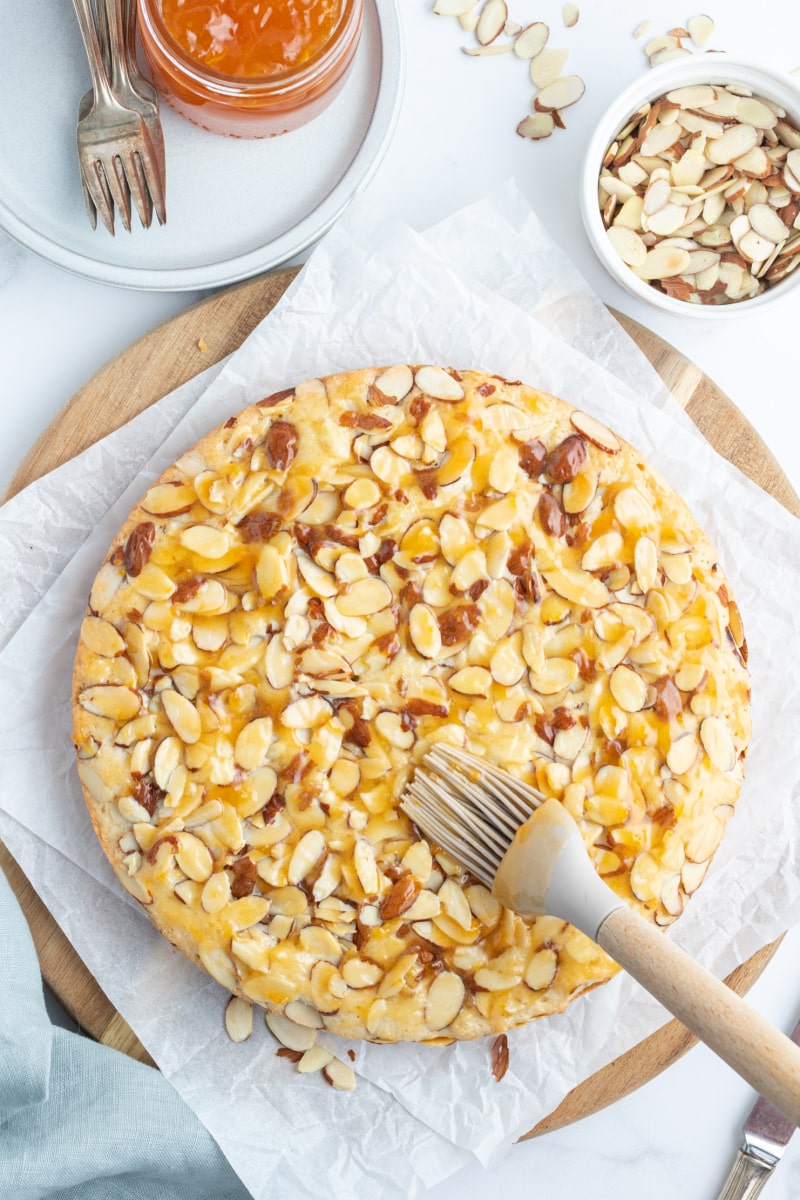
(579, 587)
(628, 688)
(536, 126)
(424, 631)
(471, 681)
(305, 855)
(445, 997)
(366, 867)
(604, 551)
(682, 754)
(547, 65)
(596, 433)
(718, 743)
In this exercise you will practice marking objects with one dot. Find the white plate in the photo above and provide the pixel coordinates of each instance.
(234, 207)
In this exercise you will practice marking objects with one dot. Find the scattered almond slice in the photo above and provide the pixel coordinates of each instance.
(531, 40)
(238, 1019)
(537, 126)
(452, 8)
(642, 28)
(469, 20)
(494, 15)
(488, 51)
(663, 56)
(570, 14)
(561, 93)
(547, 65)
(700, 29)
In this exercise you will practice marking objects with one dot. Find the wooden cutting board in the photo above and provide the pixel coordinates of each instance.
(177, 351)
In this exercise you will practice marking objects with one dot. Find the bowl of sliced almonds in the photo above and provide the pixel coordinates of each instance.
(690, 192)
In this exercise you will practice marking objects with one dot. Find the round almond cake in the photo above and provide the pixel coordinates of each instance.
(336, 579)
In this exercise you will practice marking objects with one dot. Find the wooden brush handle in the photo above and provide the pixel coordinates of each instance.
(761, 1054)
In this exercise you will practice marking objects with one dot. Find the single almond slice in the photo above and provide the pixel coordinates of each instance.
(755, 248)
(767, 222)
(661, 137)
(700, 29)
(488, 51)
(452, 8)
(663, 56)
(695, 96)
(718, 743)
(531, 40)
(561, 93)
(339, 1075)
(701, 260)
(469, 20)
(494, 15)
(642, 28)
(752, 111)
(735, 142)
(592, 429)
(663, 42)
(663, 262)
(238, 1019)
(547, 65)
(438, 383)
(656, 196)
(537, 126)
(682, 754)
(570, 14)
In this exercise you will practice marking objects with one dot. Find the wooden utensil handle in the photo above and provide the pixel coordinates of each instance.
(761, 1054)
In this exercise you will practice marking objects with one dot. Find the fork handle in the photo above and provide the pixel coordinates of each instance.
(761, 1054)
(94, 51)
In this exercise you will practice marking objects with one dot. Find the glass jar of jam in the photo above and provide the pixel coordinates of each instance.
(249, 68)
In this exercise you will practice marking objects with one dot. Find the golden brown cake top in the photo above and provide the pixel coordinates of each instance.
(337, 578)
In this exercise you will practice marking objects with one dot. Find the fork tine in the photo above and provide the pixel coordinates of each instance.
(91, 210)
(95, 182)
(118, 186)
(154, 179)
(134, 174)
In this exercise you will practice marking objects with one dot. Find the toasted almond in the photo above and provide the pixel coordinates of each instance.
(592, 429)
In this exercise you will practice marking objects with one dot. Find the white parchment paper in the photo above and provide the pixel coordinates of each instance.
(488, 289)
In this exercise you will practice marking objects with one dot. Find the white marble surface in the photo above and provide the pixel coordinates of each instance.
(455, 139)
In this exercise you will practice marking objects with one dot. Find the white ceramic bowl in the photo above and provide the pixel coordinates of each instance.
(700, 68)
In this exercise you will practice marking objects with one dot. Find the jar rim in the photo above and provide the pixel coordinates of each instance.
(234, 85)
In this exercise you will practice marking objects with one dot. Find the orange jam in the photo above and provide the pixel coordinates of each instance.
(249, 68)
(251, 38)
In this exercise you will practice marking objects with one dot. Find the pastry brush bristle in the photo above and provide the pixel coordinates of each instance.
(469, 807)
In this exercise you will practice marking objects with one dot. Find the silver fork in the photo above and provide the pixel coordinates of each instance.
(147, 97)
(110, 138)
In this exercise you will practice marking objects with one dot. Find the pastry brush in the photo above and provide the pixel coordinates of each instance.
(529, 851)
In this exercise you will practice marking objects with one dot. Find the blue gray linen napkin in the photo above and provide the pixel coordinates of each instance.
(79, 1121)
